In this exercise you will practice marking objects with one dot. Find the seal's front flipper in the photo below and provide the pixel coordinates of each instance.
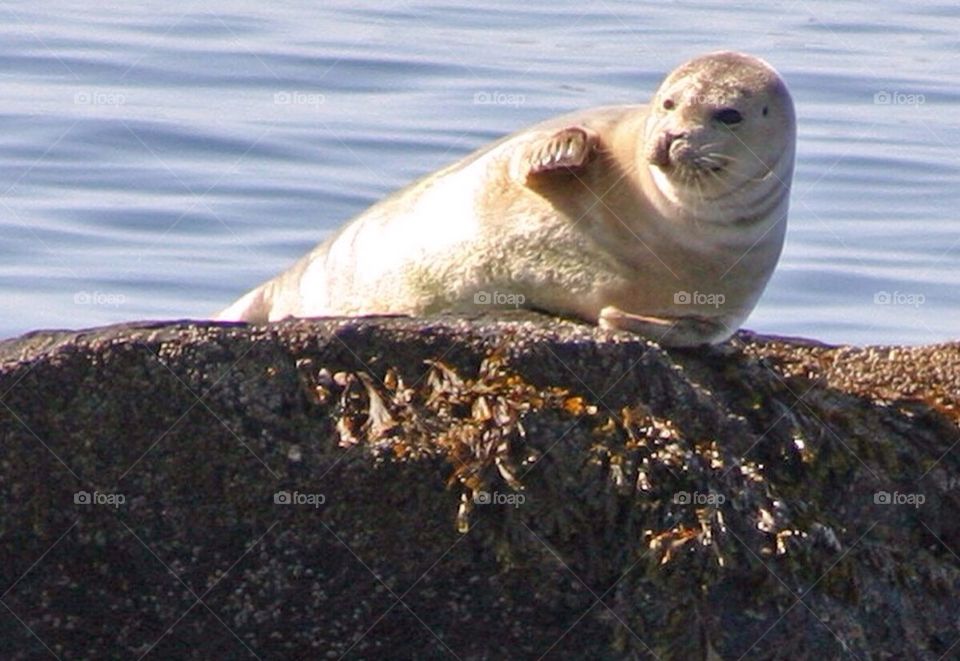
(564, 150)
(686, 331)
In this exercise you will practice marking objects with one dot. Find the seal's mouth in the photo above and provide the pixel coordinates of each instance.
(676, 156)
(695, 167)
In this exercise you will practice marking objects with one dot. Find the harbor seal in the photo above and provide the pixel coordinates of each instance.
(665, 219)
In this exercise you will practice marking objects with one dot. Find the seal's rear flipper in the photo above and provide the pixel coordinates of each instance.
(565, 150)
(250, 307)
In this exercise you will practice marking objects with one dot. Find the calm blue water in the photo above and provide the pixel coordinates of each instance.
(157, 159)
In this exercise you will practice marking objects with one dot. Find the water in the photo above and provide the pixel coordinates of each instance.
(158, 159)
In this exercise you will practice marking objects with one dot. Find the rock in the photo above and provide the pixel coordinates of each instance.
(474, 489)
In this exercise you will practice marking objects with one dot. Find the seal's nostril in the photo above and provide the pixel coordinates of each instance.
(660, 154)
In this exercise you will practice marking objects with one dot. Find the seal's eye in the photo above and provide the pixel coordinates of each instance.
(728, 116)
(668, 104)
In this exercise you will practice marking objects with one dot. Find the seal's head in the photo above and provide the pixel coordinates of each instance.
(718, 126)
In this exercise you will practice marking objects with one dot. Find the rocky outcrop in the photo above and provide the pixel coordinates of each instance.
(475, 489)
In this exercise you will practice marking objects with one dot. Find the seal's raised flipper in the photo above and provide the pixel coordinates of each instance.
(567, 149)
(683, 331)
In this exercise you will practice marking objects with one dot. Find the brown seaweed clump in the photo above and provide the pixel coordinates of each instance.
(472, 422)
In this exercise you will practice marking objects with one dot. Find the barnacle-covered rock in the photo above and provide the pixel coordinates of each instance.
(516, 487)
